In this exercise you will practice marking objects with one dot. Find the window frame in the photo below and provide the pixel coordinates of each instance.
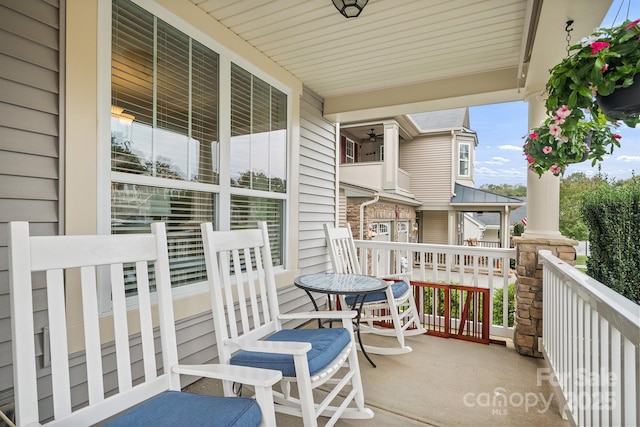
(467, 160)
(222, 191)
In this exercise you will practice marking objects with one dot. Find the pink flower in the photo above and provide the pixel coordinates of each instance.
(555, 169)
(605, 67)
(563, 112)
(530, 160)
(533, 135)
(616, 136)
(598, 46)
(632, 24)
(555, 130)
(547, 149)
(559, 120)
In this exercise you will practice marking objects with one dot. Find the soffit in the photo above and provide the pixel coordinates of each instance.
(406, 56)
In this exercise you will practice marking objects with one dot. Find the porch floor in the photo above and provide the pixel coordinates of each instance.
(448, 382)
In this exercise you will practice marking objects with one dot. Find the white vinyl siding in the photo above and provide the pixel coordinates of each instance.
(317, 183)
(434, 227)
(428, 160)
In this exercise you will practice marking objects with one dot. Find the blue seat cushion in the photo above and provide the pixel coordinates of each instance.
(398, 289)
(174, 408)
(326, 345)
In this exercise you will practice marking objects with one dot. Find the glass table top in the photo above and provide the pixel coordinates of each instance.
(333, 283)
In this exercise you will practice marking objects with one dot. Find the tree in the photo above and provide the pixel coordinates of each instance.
(517, 190)
(572, 190)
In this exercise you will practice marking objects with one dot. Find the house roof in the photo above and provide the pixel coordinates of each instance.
(492, 219)
(444, 119)
(475, 198)
(403, 56)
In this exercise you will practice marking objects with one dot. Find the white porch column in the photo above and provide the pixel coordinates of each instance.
(390, 163)
(543, 193)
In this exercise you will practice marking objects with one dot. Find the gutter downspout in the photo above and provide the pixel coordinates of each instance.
(362, 206)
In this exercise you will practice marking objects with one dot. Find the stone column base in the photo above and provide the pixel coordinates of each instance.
(528, 304)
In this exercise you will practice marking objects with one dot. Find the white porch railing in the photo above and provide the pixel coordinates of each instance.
(591, 340)
(461, 265)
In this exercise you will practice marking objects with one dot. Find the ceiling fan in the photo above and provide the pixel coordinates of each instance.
(372, 137)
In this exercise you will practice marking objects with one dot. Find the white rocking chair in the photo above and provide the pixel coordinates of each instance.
(242, 283)
(153, 399)
(396, 304)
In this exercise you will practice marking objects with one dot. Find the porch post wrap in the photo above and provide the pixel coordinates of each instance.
(543, 193)
(529, 287)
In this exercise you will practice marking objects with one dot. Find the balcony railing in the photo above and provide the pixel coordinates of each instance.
(475, 267)
(591, 340)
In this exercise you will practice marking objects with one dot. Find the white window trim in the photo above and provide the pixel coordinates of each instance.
(224, 190)
(460, 145)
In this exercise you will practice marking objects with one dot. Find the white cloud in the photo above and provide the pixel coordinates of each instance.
(509, 147)
(626, 158)
(500, 173)
(500, 159)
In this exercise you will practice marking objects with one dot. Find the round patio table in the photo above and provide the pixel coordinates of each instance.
(343, 284)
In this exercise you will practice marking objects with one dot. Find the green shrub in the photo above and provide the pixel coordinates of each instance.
(612, 214)
(497, 304)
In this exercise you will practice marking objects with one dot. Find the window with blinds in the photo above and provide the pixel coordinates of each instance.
(258, 133)
(165, 147)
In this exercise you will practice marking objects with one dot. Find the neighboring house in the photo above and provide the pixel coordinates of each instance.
(485, 226)
(410, 178)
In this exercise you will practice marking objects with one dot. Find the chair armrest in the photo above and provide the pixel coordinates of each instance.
(279, 347)
(241, 374)
(338, 314)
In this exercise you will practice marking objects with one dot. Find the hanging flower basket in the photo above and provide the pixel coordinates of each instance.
(602, 64)
(623, 102)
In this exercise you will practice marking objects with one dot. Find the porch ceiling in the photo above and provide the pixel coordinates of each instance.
(407, 56)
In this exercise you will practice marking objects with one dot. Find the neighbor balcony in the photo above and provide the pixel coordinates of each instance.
(371, 175)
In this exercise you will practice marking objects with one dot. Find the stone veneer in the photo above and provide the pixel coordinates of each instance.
(529, 287)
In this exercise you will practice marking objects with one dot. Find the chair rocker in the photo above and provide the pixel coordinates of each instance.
(126, 386)
(249, 332)
(396, 304)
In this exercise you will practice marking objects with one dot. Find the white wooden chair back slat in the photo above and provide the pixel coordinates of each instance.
(169, 343)
(251, 284)
(58, 333)
(121, 328)
(262, 287)
(228, 292)
(237, 270)
(146, 322)
(91, 334)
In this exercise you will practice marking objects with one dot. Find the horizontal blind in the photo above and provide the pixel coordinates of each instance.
(258, 133)
(135, 207)
(247, 211)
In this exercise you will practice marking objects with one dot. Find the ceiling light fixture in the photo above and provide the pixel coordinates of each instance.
(350, 8)
(118, 113)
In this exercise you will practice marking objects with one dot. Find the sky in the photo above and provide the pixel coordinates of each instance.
(501, 129)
